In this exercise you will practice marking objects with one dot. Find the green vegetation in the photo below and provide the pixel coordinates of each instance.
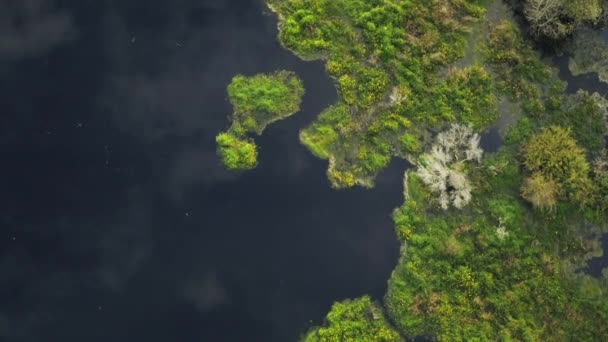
(357, 320)
(541, 191)
(494, 272)
(492, 247)
(386, 58)
(257, 101)
(236, 154)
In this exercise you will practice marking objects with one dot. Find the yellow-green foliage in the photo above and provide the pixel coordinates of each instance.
(470, 95)
(257, 101)
(583, 10)
(517, 66)
(498, 271)
(235, 153)
(492, 273)
(554, 154)
(582, 113)
(384, 56)
(541, 191)
(520, 74)
(264, 98)
(324, 132)
(357, 320)
(555, 19)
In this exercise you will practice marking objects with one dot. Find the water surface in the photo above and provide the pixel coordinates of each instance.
(117, 222)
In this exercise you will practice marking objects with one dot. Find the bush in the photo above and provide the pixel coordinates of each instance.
(554, 154)
(236, 154)
(540, 191)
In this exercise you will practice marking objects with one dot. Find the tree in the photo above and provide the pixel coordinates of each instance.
(542, 192)
(236, 154)
(442, 169)
(543, 16)
(554, 154)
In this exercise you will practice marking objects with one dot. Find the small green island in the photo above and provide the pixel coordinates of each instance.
(257, 102)
(494, 245)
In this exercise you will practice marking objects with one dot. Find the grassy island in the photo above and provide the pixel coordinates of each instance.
(257, 102)
(494, 245)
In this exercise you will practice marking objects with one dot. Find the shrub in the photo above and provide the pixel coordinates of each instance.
(554, 154)
(236, 154)
(542, 192)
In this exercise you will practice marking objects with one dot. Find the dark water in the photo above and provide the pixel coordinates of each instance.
(589, 81)
(491, 140)
(596, 265)
(116, 221)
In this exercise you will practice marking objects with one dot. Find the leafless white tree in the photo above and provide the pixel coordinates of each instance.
(543, 16)
(441, 169)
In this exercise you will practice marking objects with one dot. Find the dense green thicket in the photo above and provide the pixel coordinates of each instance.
(385, 57)
(257, 101)
(357, 320)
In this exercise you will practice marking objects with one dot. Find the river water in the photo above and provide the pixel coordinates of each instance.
(117, 222)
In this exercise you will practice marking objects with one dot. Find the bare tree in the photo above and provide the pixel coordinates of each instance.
(543, 16)
(441, 169)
